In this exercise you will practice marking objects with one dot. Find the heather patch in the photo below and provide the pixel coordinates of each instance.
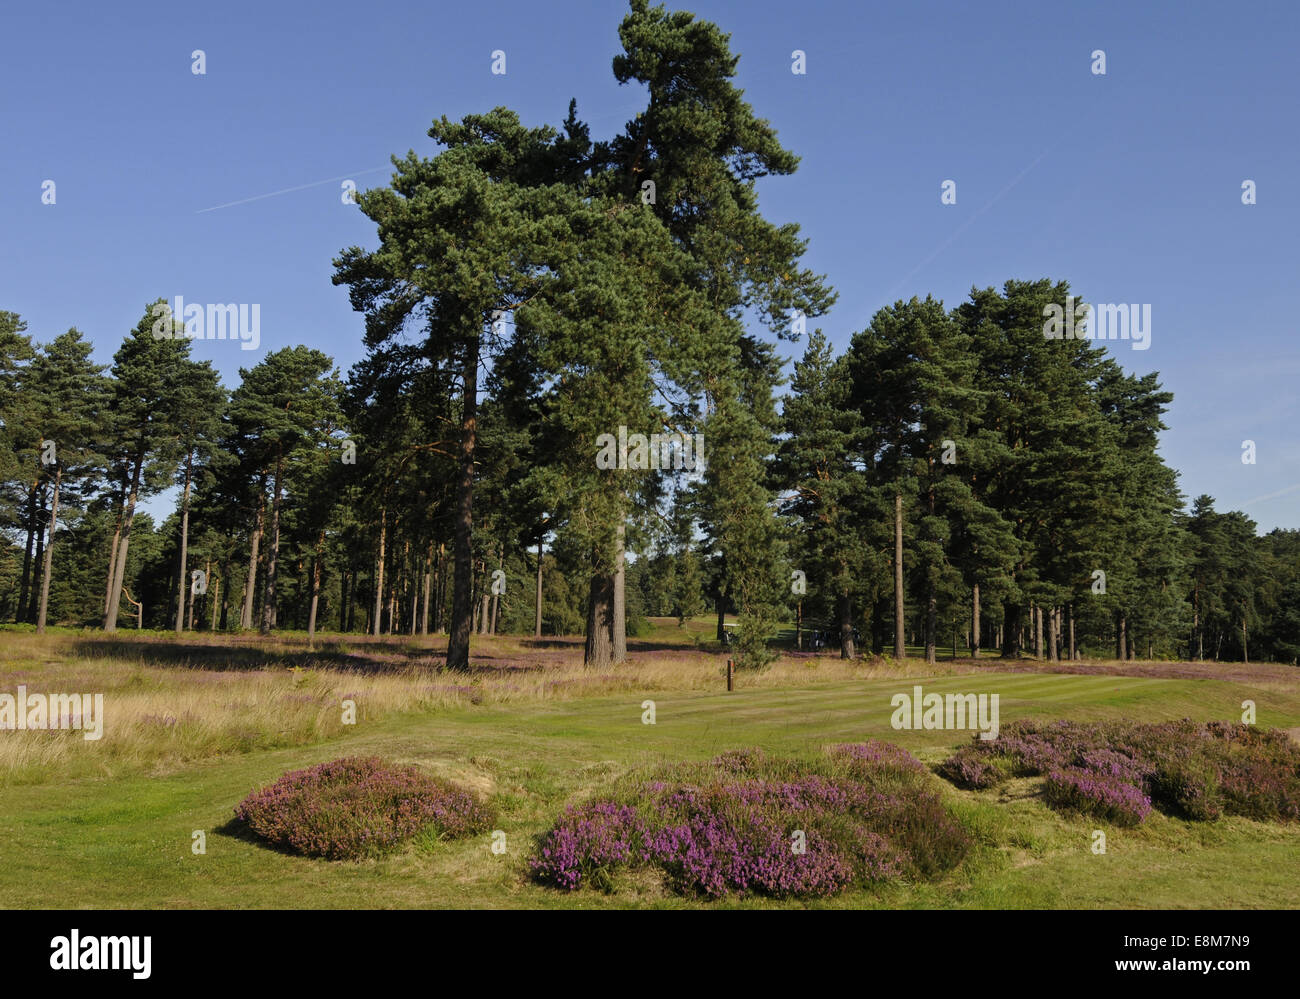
(749, 823)
(883, 754)
(1090, 792)
(1118, 771)
(357, 807)
(971, 769)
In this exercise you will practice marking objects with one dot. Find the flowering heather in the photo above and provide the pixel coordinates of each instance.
(588, 843)
(740, 761)
(1260, 789)
(358, 807)
(749, 823)
(1195, 770)
(1097, 794)
(1188, 786)
(971, 769)
(722, 848)
(884, 754)
(1109, 763)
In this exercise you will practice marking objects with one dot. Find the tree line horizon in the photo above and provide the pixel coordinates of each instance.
(951, 472)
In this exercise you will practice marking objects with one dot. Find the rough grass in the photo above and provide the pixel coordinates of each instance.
(111, 823)
(170, 703)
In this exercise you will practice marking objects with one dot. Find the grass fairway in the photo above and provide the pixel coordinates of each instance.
(118, 834)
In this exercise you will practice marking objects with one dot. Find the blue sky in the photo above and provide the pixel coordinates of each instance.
(1128, 185)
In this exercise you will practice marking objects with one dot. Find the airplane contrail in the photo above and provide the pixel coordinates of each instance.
(965, 225)
(1280, 492)
(288, 190)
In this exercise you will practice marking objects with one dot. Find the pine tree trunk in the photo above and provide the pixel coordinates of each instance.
(207, 567)
(273, 554)
(1053, 635)
(185, 543)
(24, 589)
(379, 573)
(619, 623)
(112, 552)
(119, 574)
(1009, 631)
(1074, 654)
(975, 621)
(33, 605)
(1036, 613)
(345, 601)
(462, 594)
(598, 652)
(1245, 651)
(428, 582)
(254, 544)
(440, 591)
(410, 584)
(879, 625)
(900, 646)
(844, 612)
(931, 621)
(1196, 642)
(317, 558)
(537, 613)
(49, 553)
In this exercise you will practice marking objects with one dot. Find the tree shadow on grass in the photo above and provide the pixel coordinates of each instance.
(221, 657)
(238, 829)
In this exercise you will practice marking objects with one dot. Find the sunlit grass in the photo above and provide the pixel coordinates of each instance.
(109, 823)
(167, 703)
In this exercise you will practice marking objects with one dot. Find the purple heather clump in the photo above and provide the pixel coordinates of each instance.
(716, 852)
(1108, 763)
(595, 837)
(749, 823)
(877, 859)
(739, 761)
(1099, 795)
(357, 807)
(884, 754)
(1260, 787)
(970, 769)
(1192, 769)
